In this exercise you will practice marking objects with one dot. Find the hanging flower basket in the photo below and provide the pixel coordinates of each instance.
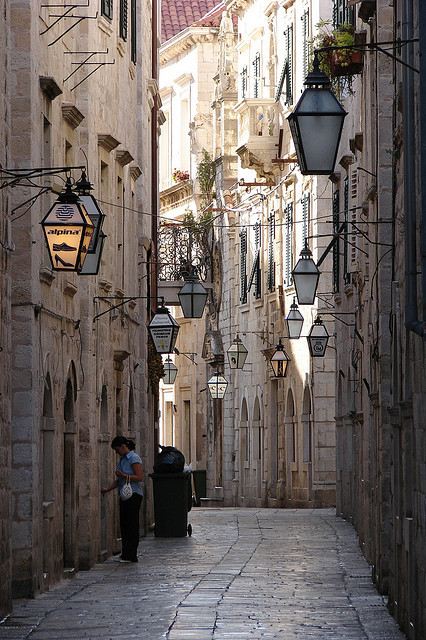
(348, 64)
(180, 176)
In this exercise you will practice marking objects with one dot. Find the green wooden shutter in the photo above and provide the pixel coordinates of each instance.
(336, 248)
(306, 36)
(244, 82)
(133, 34)
(123, 19)
(288, 244)
(346, 274)
(271, 261)
(256, 75)
(288, 50)
(306, 214)
(243, 266)
(255, 274)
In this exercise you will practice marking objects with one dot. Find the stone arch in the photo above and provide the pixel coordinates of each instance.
(257, 440)
(70, 462)
(244, 447)
(48, 437)
(290, 439)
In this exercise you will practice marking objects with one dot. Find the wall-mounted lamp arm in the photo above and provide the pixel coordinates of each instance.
(374, 46)
(124, 300)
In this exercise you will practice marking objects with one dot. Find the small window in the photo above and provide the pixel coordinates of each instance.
(106, 8)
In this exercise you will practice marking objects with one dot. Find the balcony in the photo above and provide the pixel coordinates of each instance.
(258, 134)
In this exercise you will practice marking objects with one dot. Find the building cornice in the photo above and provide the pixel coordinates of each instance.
(186, 40)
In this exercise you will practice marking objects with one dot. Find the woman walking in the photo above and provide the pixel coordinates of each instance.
(129, 466)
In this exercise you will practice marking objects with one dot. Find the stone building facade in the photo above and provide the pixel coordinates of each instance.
(380, 279)
(270, 441)
(84, 95)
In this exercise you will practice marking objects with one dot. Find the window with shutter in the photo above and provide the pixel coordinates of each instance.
(271, 256)
(306, 214)
(255, 275)
(288, 49)
(346, 274)
(243, 266)
(133, 34)
(256, 75)
(336, 248)
(123, 19)
(244, 82)
(288, 244)
(306, 37)
(106, 8)
(342, 14)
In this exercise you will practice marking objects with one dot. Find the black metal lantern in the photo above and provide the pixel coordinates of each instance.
(92, 261)
(305, 277)
(237, 354)
(192, 297)
(68, 230)
(279, 361)
(163, 330)
(170, 371)
(294, 321)
(318, 339)
(83, 187)
(316, 124)
(217, 385)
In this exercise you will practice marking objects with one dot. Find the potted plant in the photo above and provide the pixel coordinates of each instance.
(180, 176)
(338, 62)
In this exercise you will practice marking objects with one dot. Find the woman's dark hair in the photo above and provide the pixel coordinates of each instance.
(119, 440)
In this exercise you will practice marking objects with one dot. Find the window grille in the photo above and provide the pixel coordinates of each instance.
(243, 266)
(123, 19)
(288, 244)
(106, 8)
(271, 261)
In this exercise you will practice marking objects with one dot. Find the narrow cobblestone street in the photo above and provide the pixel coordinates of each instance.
(245, 574)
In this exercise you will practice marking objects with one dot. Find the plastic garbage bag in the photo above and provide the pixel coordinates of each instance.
(169, 460)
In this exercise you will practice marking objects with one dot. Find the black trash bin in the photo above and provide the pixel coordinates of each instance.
(200, 485)
(172, 501)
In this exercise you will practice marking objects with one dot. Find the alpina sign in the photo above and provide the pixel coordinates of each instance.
(68, 230)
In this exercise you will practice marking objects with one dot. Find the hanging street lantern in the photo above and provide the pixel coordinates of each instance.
(316, 124)
(279, 361)
(217, 385)
(68, 230)
(170, 371)
(294, 321)
(83, 187)
(305, 277)
(92, 261)
(318, 339)
(237, 354)
(163, 330)
(192, 297)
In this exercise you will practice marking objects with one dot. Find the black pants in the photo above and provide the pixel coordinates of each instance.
(129, 525)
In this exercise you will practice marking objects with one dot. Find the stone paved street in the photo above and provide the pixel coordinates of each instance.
(245, 574)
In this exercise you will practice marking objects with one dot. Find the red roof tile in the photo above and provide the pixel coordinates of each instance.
(177, 15)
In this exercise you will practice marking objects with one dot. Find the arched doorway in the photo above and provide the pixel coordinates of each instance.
(69, 481)
(244, 449)
(258, 453)
(48, 497)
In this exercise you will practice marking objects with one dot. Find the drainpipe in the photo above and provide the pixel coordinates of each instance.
(411, 320)
(422, 58)
(154, 156)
